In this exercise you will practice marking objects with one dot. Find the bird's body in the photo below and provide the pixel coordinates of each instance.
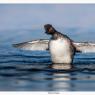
(61, 50)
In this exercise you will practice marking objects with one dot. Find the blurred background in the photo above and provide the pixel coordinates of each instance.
(26, 21)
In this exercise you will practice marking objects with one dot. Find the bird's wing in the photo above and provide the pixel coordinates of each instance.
(42, 44)
(85, 47)
(33, 45)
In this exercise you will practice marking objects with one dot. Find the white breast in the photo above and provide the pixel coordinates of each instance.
(60, 51)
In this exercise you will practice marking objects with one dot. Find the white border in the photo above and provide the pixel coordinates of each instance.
(47, 93)
(48, 1)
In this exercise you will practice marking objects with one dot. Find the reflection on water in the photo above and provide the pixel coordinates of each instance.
(59, 81)
(30, 71)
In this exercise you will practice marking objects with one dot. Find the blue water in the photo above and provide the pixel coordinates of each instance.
(29, 71)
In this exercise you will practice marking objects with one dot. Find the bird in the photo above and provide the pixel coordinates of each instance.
(62, 49)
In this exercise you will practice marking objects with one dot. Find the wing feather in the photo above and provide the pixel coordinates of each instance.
(85, 47)
(33, 45)
(42, 44)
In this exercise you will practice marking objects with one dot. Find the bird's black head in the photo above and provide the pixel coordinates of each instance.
(49, 29)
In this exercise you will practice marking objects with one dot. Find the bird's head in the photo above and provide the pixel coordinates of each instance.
(49, 29)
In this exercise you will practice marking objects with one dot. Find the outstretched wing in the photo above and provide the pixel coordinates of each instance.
(42, 44)
(85, 47)
(33, 45)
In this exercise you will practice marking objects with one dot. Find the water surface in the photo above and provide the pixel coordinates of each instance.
(29, 71)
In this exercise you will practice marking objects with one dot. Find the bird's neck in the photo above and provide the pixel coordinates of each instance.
(56, 35)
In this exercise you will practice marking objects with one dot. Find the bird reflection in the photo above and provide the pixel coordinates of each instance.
(61, 81)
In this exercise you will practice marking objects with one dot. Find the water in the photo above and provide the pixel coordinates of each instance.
(29, 71)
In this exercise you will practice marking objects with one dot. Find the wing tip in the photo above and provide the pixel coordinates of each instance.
(17, 45)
